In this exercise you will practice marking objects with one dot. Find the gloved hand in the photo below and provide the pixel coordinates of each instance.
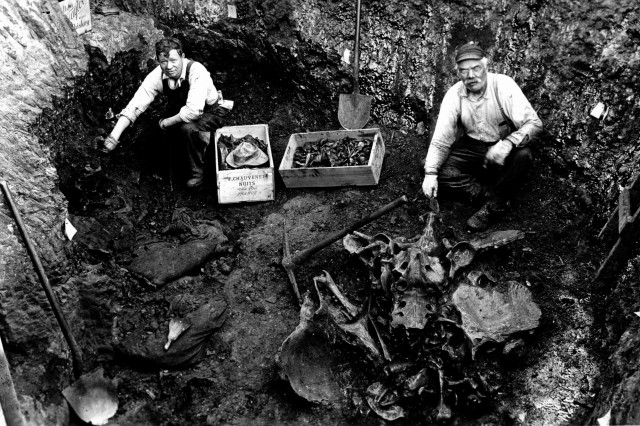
(160, 124)
(110, 144)
(430, 186)
(498, 153)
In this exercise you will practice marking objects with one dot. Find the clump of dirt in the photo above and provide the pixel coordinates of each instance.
(237, 380)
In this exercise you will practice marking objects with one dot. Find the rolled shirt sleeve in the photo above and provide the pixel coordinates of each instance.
(202, 92)
(518, 108)
(150, 88)
(447, 130)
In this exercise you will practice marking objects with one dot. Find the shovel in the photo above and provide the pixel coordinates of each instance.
(91, 396)
(354, 110)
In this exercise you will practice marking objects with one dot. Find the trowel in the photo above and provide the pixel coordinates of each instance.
(92, 397)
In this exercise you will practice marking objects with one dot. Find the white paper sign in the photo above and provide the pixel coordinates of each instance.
(346, 56)
(78, 13)
(231, 11)
(598, 110)
(69, 229)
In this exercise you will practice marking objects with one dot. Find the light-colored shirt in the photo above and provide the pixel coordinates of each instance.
(201, 92)
(480, 119)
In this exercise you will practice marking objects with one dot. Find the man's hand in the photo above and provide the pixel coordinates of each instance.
(430, 185)
(498, 153)
(162, 127)
(110, 144)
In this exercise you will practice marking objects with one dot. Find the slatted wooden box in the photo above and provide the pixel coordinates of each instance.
(248, 184)
(365, 175)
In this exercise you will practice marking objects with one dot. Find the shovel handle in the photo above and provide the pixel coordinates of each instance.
(356, 51)
(53, 300)
(300, 257)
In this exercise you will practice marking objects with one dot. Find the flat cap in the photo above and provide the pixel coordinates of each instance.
(469, 51)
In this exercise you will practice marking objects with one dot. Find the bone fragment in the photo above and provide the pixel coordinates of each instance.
(176, 328)
(326, 279)
(444, 412)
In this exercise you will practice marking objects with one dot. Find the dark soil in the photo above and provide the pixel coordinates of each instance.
(237, 381)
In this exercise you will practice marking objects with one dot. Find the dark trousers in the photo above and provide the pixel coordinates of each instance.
(465, 172)
(192, 143)
(183, 145)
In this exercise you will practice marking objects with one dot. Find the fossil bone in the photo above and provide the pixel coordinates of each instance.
(176, 328)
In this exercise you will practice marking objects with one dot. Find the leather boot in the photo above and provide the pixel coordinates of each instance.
(481, 219)
(195, 181)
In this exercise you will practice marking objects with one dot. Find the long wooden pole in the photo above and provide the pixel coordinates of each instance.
(53, 300)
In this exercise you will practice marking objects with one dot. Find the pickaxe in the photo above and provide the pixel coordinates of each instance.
(289, 262)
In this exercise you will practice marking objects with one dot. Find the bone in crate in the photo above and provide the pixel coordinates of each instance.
(327, 153)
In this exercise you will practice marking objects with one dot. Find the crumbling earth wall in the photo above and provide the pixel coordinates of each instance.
(41, 55)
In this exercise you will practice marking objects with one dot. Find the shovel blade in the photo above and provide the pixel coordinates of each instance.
(92, 397)
(354, 110)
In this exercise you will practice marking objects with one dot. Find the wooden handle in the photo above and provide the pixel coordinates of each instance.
(300, 257)
(356, 53)
(53, 300)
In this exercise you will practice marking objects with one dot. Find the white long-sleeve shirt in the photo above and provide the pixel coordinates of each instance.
(480, 119)
(201, 91)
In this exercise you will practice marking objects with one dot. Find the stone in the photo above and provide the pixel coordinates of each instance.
(161, 263)
(225, 268)
(131, 31)
(91, 234)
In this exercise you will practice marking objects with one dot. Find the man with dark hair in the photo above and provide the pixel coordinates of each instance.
(192, 107)
(479, 145)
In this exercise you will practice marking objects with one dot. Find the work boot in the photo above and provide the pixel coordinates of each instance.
(490, 210)
(195, 182)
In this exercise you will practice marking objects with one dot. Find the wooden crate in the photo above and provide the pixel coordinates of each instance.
(245, 185)
(365, 175)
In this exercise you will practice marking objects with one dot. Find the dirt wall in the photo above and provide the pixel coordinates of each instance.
(41, 55)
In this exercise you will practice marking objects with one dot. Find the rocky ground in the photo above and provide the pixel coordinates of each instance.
(554, 380)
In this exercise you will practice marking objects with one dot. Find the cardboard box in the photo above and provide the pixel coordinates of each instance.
(249, 184)
(365, 175)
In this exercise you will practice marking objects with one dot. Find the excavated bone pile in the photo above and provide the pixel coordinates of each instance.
(432, 307)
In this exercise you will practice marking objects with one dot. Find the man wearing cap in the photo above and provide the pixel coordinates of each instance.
(192, 107)
(479, 145)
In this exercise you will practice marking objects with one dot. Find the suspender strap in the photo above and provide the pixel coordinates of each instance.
(506, 119)
(186, 76)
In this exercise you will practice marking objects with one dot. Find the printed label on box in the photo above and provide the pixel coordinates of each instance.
(78, 13)
(256, 185)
